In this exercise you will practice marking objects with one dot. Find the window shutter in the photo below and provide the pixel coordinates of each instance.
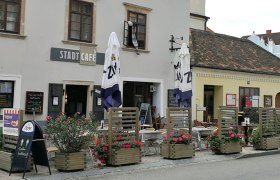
(125, 33)
(55, 90)
(97, 108)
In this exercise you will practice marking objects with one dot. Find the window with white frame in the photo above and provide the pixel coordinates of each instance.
(6, 94)
(80, 27)
(135, 27)
(10, 16)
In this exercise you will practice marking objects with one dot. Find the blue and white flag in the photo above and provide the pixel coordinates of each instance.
(110, 82)
(183, 76)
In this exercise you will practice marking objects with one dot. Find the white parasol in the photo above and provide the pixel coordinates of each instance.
(110, 82)
(183, 77)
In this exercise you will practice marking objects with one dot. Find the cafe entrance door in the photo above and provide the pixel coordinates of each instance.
(76, 99)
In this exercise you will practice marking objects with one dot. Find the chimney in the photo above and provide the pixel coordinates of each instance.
(268, 31)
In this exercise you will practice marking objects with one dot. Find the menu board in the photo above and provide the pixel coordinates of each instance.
(34, 100)
(30, 140)
(171, 100)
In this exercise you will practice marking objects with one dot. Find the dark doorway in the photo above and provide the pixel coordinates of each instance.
(75, 99)
(277, 101)
(135, 93)
(208, 102)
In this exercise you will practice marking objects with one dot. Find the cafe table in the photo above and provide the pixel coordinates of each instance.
(151, 140)
(201, 134)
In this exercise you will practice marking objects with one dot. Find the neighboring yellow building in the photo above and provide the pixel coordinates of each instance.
(229, 71)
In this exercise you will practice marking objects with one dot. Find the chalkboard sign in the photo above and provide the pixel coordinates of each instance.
(30, 138)
(34, 100)
(171, 100)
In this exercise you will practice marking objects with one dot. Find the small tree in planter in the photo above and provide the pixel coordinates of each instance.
(70, 135)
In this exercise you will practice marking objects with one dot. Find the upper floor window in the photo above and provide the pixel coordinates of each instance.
(10, 16)
(135, 27)
(80, 21)
(6, 94)
(138, 29)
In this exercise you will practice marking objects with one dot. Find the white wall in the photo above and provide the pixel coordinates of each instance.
(29, 58)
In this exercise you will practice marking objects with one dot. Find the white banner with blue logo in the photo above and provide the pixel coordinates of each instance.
(183, 76)
(110, 82)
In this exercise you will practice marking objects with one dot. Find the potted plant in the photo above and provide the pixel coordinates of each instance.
(70, 135)
(178, 145)
(125, 150)
(230, 143)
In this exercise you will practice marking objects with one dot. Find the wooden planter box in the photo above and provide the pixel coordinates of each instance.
(268, 143)
(177, 151)
(230, 147)
(6, 161)
(70, 161)
(125, 156)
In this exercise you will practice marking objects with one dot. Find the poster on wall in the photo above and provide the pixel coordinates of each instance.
(11, 120)
(267, 101)
(230, 99)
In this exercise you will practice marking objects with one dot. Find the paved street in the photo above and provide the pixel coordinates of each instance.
(257, 168)
(149, 163)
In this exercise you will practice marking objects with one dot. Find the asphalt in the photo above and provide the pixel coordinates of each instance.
(147, 163)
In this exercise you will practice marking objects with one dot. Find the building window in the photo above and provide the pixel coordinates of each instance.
(246, 95)
(6, 94)
(139, 23)
(80, 21)
(10, 16)
(135, 27)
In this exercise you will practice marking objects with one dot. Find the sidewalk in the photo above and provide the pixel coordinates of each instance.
(148, 162)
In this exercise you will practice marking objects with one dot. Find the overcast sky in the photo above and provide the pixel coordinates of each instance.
(241, 17)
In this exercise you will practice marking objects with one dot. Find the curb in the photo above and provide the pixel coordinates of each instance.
(268, 152)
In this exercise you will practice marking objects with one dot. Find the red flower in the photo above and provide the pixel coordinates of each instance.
(189, 136)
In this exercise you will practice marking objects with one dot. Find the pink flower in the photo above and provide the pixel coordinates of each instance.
(238, 135)
(189, 136)
(232, 135)
(184, 136)
(229, 132)
(164, 137)
(180, 139)
(175, 139)
(171, 133)
(48, 117)
(58, 119)
(183, 133)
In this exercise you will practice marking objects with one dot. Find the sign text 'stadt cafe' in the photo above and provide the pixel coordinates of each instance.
(84, 56)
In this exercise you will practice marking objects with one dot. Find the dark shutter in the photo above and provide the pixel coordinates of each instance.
(55, 91)
(97, 108)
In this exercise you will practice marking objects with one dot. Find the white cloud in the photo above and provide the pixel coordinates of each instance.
(242, 17)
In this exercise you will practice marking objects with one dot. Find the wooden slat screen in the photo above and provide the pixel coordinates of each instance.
(228, 120)
(124, 123)
(277, 113)
(267, 122)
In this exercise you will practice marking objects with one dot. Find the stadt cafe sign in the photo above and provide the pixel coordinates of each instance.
(84, 56)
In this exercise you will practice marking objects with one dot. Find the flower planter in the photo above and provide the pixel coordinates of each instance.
(177, 151)
(124, 156)
(70, 161)
(230, 147)
(268, 143)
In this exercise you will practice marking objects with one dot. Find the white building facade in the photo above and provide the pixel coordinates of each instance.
(52, 53)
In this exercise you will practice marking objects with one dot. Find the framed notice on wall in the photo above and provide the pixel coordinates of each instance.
(230, 99)
(267, 100)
